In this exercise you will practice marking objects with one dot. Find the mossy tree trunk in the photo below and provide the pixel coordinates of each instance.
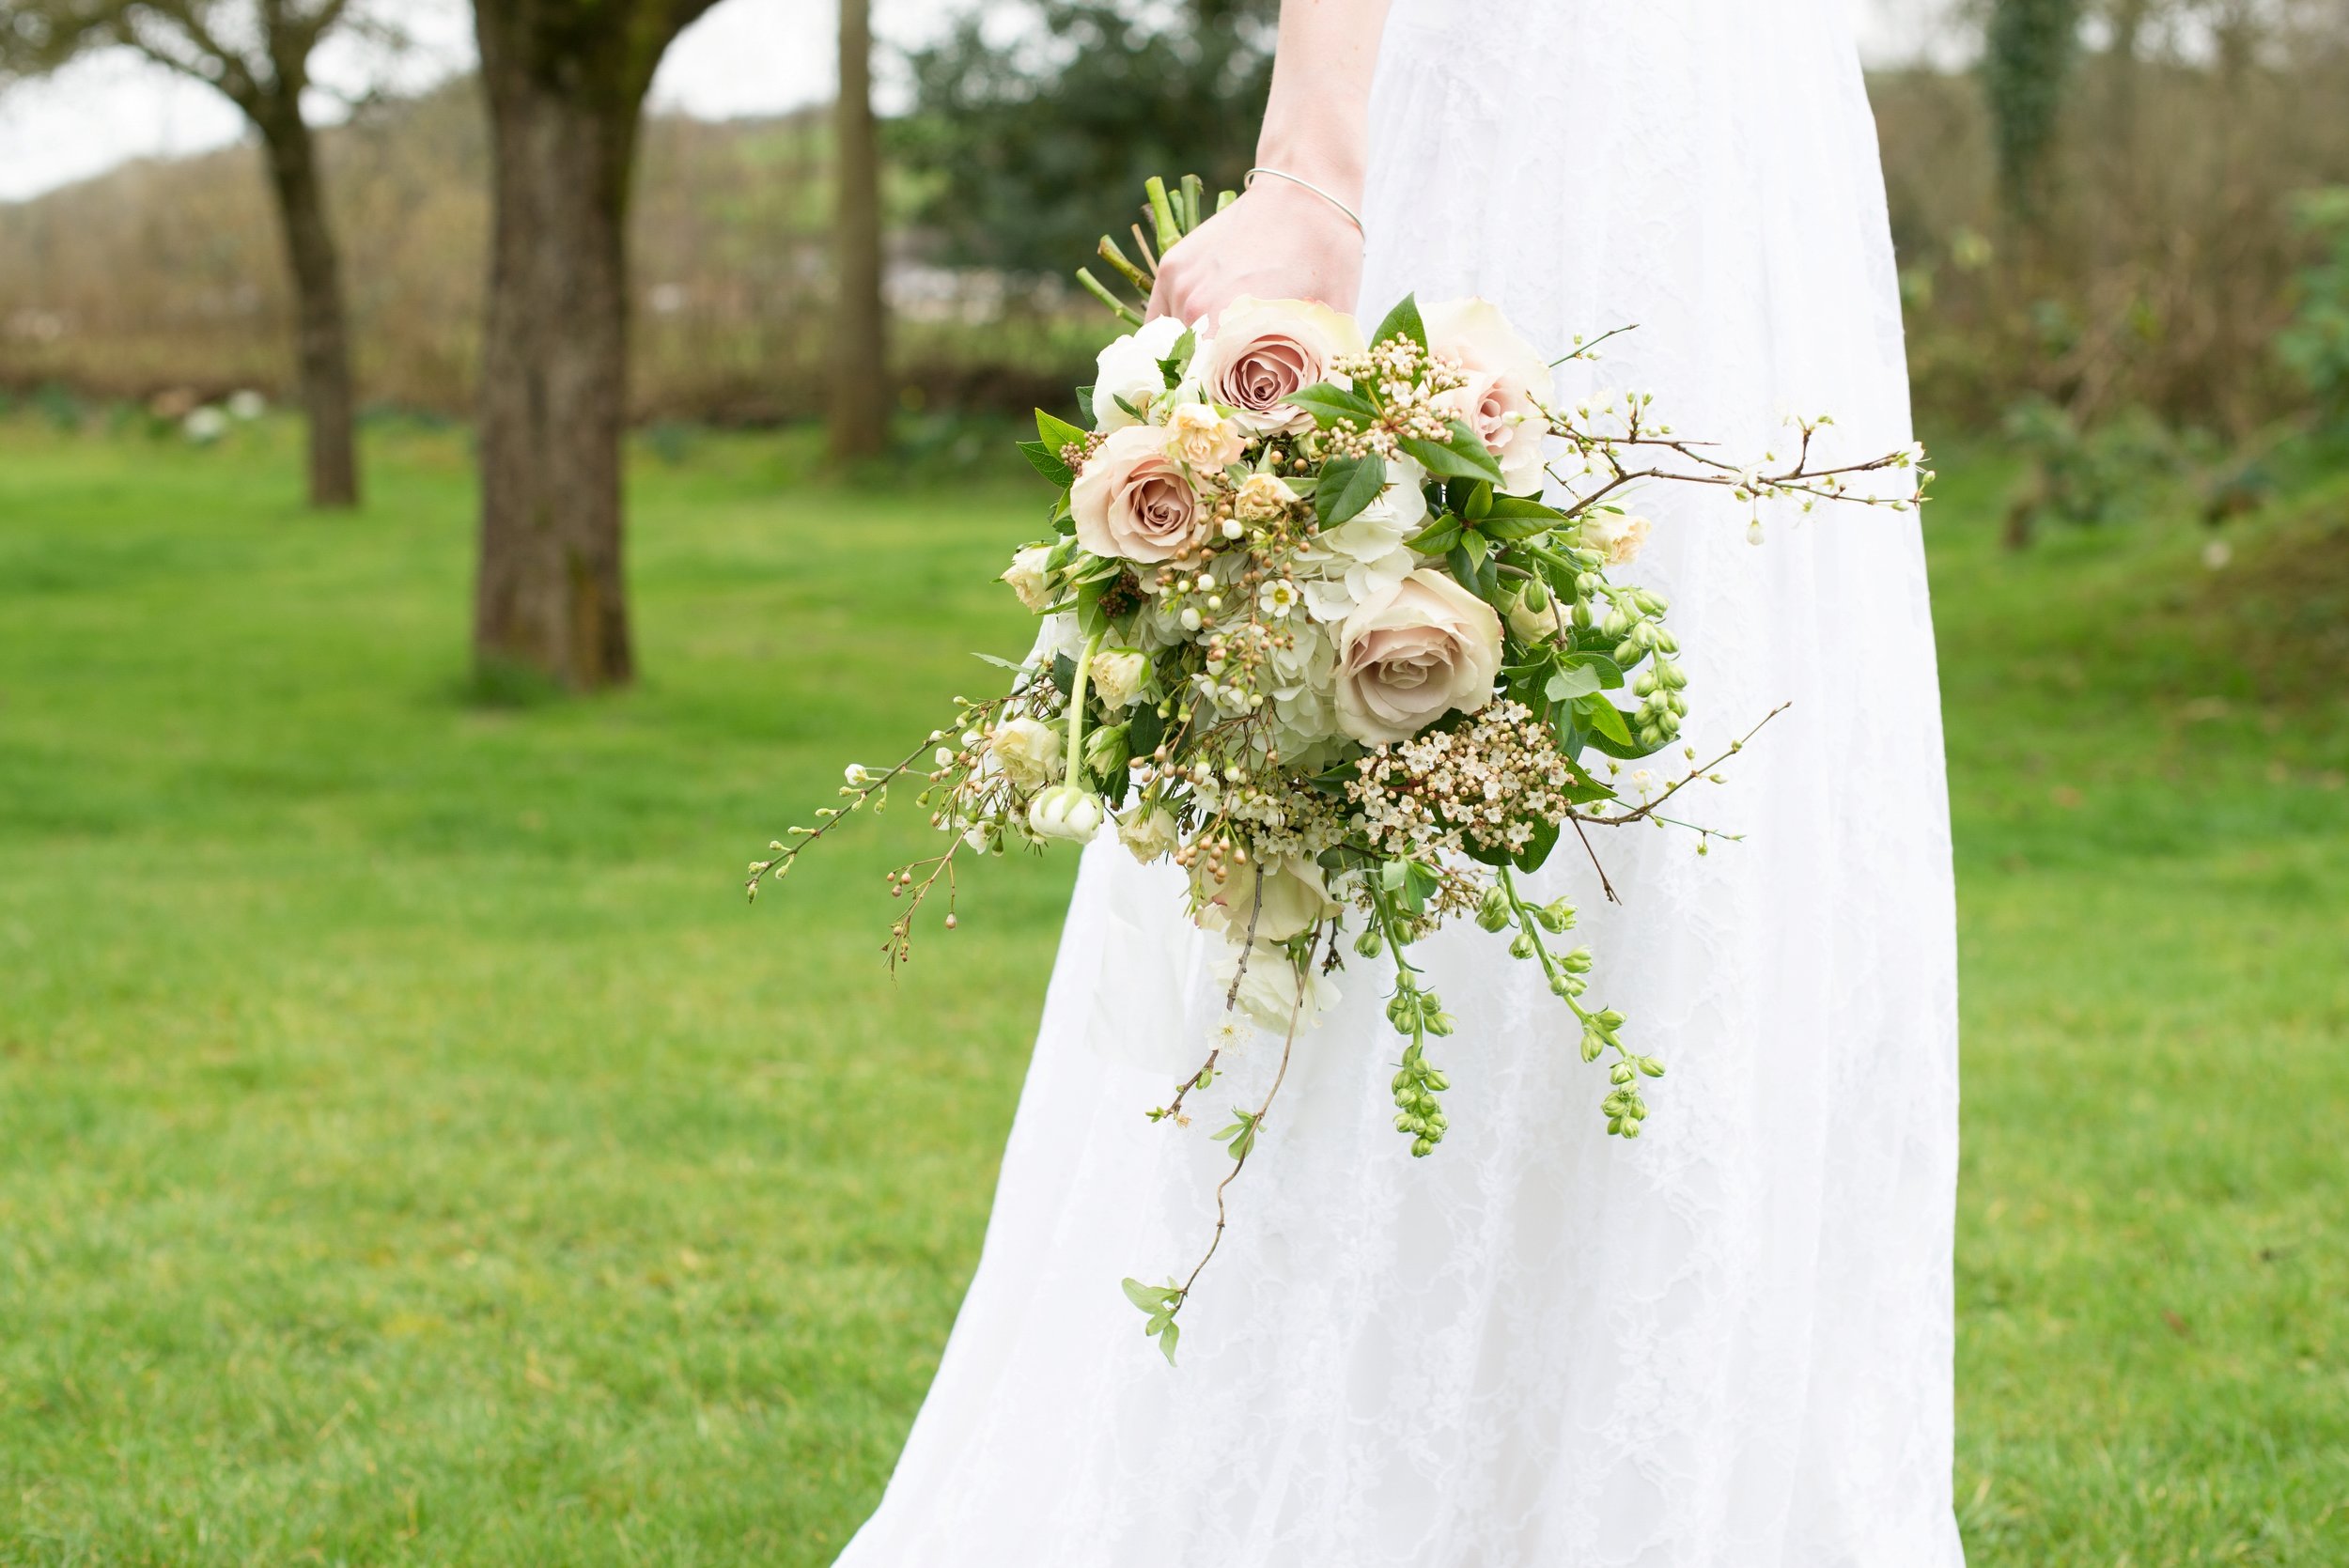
(566, 83)
(322, 332)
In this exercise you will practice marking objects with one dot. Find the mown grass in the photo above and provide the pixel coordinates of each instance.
(411, 1150)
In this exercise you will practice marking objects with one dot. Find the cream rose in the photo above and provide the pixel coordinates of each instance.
(1149, 835)
(1027, 577)
(1264, 349)
(1614, 535)
(1131, 501)
(1118, 676)
(1263, 497)
(1128, 368)
(1505, 375)
(1202, 438)
(1028, 752)
(1538, 625)
(1410, 653)
(1292, 898)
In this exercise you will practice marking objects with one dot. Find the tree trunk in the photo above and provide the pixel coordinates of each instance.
(322, 332)
(859, 389)
(550, 596)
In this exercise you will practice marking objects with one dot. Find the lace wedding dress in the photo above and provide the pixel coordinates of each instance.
(1728, 1344)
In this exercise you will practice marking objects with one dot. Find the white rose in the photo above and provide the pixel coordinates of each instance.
(1149, 835)
(1128, 368)
(1615, 535)
(1269, 990)
(1202, 438)
(1119, 676)
(1289, 891)
(1505, 374)
(1065, 812)
(1027, 750)
(1410, 654)
(1026, 576)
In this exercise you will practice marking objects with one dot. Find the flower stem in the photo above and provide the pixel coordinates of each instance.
(1076, 705)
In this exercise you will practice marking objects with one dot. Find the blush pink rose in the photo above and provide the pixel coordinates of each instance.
(1411, 653)
(1131, 501)
(1504, 375)
(1264, 350)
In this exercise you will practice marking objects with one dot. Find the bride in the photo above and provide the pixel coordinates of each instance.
(1727, 1344)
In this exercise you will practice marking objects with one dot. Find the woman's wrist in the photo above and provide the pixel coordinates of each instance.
(1325, 161)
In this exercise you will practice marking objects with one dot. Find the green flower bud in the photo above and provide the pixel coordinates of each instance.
(1370, 943)
(1522, 947)
(1422, 1147)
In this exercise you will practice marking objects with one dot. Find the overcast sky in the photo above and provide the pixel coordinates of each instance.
(745, 57)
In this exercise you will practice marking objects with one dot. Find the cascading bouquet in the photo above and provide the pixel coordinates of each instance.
(1329, 621)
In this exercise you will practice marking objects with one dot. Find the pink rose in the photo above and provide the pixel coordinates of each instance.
(1505, 375)
(1264, 350)
(1130, 499)
(1411, 653)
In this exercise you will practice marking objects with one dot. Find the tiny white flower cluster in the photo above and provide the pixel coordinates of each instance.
(1488, 785)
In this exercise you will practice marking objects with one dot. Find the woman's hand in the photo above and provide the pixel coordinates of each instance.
(1277, 242)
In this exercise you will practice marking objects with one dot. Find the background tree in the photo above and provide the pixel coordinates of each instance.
(255, 53)
(566, 83)
(2029, 47)
(1036, 137)
(859, 406)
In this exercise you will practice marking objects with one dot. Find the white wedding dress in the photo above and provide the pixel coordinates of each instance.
(1728, 1344)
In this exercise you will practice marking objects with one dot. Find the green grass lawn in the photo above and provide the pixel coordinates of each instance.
(412, 1150)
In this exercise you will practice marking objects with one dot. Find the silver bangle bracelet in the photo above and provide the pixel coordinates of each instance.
(1351, 216)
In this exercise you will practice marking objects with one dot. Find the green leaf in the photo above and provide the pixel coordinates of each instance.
(1537, 846)
(1146, 729)
(1045, 461)
(1448, 461)
(1603, 718)
(1609, 673)
(1573, 681)
(1011, 664)
(1057, 434)
(1436, 537)
(1346, 486)
(1330, 404)
(1167, 1335)
(1476, 499)
(1508, 529)
(1402, 322)
(1148, 1297)
(1179, 358)
(1525, 507)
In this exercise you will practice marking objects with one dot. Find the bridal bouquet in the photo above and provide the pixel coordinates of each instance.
(1337, 622)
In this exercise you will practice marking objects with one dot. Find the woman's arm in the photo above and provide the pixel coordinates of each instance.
(1280, 241)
